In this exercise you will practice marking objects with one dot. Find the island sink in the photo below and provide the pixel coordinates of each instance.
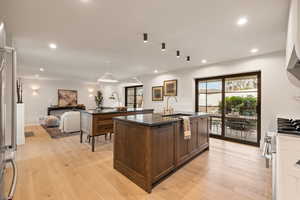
(178, 115)
(149, 147)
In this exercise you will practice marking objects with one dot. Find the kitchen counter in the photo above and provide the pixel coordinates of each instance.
(149, 147)
(159, 119)
(114, 110)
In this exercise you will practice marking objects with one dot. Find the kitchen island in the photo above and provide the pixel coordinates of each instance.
(148, 147)
(96, 122)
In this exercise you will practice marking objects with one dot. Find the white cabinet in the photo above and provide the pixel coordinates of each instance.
(287, 172)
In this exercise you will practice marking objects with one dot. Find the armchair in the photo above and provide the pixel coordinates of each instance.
(70, 122)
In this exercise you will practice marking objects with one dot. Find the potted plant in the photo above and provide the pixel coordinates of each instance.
(99, 99)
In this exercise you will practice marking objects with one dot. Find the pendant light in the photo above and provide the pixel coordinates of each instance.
(145, 37)
(178, 53)
(108, 78)
(133, 80)
(188, 58)
(163, 46)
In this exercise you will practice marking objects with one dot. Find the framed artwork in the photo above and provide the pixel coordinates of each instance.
(67, 97)
(170, 88)
(157, 93)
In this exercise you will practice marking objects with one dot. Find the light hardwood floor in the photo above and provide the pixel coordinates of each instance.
(64, 169)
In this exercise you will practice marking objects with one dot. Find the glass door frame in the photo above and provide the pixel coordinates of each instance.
(258, 108)
(135, 94)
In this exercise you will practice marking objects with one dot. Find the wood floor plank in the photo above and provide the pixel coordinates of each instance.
(65, 169)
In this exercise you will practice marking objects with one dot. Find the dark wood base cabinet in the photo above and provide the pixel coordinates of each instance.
(146, 154)
(99, 122)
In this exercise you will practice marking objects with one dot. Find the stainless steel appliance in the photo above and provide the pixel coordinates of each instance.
(269, 152)
(7, 115)
(288, 126)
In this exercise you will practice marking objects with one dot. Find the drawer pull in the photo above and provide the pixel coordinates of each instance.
(297, 164)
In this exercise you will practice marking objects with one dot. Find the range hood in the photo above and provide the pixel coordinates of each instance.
(293, 40)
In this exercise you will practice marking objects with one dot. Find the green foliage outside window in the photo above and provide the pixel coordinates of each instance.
(243, 105)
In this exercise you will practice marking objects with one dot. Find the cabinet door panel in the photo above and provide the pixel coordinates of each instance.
(203, 131)
(163, 154)
(182, 144)
(289, 173)
(193, 142)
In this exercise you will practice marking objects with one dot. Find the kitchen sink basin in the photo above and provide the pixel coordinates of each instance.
(177, 115)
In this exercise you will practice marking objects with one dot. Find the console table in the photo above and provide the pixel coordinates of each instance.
(99, 122)
(55, 108)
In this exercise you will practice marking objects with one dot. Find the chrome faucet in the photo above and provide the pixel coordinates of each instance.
(168, 109)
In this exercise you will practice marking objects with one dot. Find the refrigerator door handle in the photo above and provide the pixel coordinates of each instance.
(14, 180)
(13, 109)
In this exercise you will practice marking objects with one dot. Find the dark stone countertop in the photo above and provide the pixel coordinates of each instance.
(156, 119)
(113, 110)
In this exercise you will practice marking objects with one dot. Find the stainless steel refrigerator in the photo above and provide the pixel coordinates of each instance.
(7, 117)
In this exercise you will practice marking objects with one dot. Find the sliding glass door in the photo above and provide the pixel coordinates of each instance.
(134, 96)
(234, 104)
(209, 98)
(241, 97)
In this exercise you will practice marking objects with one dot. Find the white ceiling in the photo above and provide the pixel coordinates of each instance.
(90, 34)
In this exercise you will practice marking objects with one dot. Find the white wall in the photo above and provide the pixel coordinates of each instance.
(279, 88)
(36, 105)
(108, 89)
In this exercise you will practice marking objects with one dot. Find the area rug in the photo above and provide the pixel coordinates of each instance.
(55, 133)
(29, 134)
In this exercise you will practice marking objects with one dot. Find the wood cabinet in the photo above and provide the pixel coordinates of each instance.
(186, 149)
(146, 154)
(163, 154)
(203, 133)
(100, 123)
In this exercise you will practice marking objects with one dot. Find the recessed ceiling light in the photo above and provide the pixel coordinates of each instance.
(52, 46)
(1, 26)
(42, 69)
(242, 21)
(204, 61)
(254, 50)
(156, 71)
